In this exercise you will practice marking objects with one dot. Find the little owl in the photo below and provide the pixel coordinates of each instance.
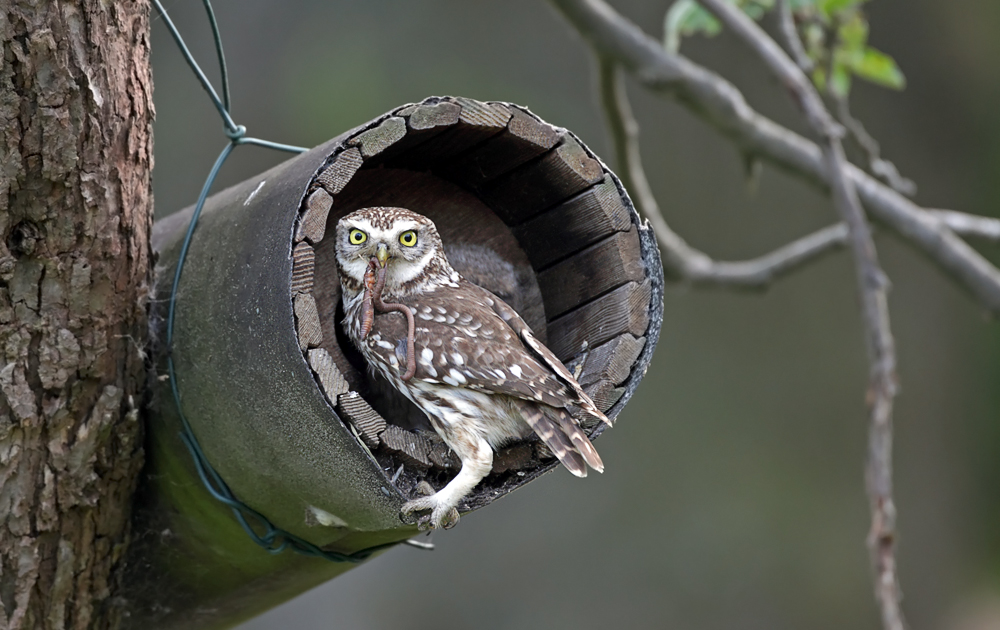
(482, 378)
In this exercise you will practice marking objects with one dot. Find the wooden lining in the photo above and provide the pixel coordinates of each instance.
(329, 376)
(307, 321)
(378, 139)
(412, 448)
(536, 186)
(356, 410)
(612, 361)
(476, 122)
(626, 309)
(526, 138)
(591, 272)
(574, 224)
(344, 166)
(312, 223)
(303, 268)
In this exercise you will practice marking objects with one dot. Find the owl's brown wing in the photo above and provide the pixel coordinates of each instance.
(514, 320)
(467, 337)
(461, 341)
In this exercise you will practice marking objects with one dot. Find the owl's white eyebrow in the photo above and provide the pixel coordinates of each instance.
(361, 224)
(405, 226)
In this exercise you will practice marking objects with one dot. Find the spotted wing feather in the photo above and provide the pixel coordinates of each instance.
(463, 339)
(460, 341)
(514, 320)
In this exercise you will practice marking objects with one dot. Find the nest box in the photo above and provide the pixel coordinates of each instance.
(281, 403)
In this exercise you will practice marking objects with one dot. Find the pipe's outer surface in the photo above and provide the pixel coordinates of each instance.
(260, 417)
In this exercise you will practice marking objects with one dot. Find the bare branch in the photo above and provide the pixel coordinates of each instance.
(879, 166)
(759, 273)
(792, 41)
(872, 287)
(680, 259)
(723, 107)
(987, 228)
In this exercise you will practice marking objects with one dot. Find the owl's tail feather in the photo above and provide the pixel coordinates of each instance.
(552, 435)
(564, 437)
(579, 439)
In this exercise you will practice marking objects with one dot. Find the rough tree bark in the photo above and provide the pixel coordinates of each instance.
(75, 214)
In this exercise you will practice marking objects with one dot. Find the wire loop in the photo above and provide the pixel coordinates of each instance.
(271, 538)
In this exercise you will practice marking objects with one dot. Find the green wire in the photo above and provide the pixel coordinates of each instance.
(218, 49)
(273, 540)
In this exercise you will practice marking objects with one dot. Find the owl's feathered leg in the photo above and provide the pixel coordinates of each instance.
(477, 461)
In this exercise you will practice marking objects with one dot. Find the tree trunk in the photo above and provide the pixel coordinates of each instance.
(75, 214)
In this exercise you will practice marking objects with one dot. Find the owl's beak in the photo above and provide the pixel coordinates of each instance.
(382, 254)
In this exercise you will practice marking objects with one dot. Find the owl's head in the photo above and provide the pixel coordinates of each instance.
(407, 244)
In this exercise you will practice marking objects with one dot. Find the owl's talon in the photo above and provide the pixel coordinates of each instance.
(447, 520)
(442, 515)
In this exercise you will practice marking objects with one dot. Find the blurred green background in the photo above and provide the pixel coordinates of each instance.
(734, 493)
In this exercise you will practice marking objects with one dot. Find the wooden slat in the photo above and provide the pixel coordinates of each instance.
(344, 166)
(517, 457)
(312, 223)
(423, 122)
(612, 361)
(432, 117)
(483, 115)
(526, 137)
(411, 448)
(330, 378)
(307, 321)
(442, 457)
(538, 185)
(303, 268)
(542, 451)
(624, 310)
(378, 139)
(604, 394)
(574, 224)
(589, 273)
(356, 410)
(476, 123)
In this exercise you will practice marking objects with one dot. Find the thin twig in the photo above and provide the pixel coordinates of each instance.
(987, 228)
(792, 41)
(872, 288)
(680, 259)
(723, 107)
(879, 166)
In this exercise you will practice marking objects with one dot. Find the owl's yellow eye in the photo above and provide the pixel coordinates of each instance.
(408, 238)
(357, 237)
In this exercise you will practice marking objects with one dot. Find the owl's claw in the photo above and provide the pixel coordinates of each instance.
(442, 515)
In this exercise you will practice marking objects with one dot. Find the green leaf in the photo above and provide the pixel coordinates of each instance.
(878, 67)
(853, 33)
(685, 18)
(840, 81)
(830, 8)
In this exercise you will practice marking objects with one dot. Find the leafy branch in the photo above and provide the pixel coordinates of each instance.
(828, 39)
